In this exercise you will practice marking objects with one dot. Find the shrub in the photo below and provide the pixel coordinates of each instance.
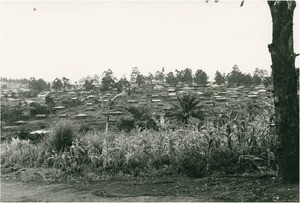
(151, 124)
(71, 103)
(62, 135)
(25, 135)
(194, 163)
(126, 124)
(142, 118)
(225, 160)
(10, 115)
(37, 108)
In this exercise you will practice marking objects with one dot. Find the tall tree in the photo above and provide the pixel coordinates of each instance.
(149, 77)
(171, 79)
(140, 79)
(188, 76)
(159, 75)
(37, 85)
(179, 75)
(134, 73)
(57, 84)
(285, 89)
(219, 78)
(259, 75)
(235, 77)
(66, 82)
(89, 84)
(200, 77)
(108, 80)
(285, 79)
(122, 83)
(247, 79)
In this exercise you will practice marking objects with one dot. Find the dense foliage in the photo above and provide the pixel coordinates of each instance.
(38, 85)
(237, 139)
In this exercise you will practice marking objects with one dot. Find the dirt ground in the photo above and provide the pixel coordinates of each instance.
(171, 189)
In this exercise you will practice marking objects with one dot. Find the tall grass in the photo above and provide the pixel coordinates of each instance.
(23, 153)
(231, 143)
(62, 135)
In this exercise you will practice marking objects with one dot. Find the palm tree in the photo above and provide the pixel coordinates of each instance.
(188, 107)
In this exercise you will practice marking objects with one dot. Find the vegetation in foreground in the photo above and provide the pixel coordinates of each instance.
(232, 142)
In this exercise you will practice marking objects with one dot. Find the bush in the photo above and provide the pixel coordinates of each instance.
(10, 115)
(126, 124)
(225, 160)
(37, 109)
(62, 135)
(142, 118)
(71, 103)
(194, 166)
(151, 125)
(25, 135)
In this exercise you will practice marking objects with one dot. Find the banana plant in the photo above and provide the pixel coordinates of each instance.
(109, 106)
(227, 125)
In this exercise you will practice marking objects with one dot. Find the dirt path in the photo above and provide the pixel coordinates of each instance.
(150, 189)
(34, 192)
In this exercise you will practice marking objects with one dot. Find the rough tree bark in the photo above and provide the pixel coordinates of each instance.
(285, 90)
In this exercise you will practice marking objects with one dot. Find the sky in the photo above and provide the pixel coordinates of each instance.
(74, 39)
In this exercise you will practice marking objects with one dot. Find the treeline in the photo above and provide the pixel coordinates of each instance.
(235, 78)
(108, 81)
(19, 81)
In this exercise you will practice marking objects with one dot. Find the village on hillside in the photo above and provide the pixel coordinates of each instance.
(88, 108)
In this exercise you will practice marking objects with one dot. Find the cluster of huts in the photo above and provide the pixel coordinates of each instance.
(156, 96)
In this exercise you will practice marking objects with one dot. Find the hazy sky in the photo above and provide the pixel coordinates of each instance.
(75, 39)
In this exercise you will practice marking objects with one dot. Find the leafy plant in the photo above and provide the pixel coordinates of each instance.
(142, 117)
(187, 107)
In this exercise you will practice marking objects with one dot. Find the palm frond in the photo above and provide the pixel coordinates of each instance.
(188, 106)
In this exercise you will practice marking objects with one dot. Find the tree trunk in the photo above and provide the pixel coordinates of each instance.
(285, 90)
(107, 122)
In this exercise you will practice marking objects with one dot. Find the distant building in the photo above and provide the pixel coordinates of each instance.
(20, 122)
(41, 116)
(59, 107)
(81, 115)
(158, 87)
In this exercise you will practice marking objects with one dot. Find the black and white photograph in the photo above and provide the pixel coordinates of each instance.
(149, 100)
